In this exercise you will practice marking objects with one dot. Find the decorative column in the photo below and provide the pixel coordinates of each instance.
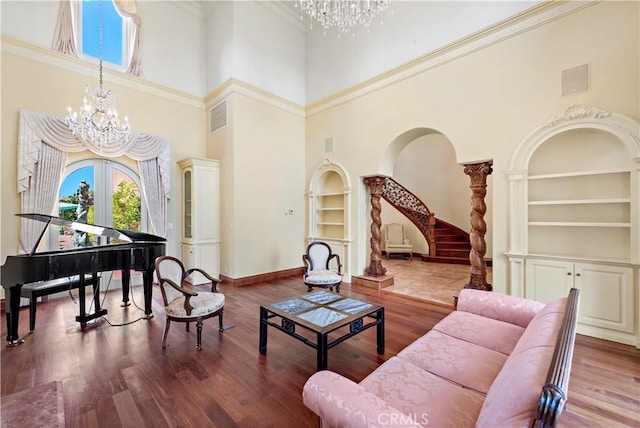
(478, 173)
(375, 184)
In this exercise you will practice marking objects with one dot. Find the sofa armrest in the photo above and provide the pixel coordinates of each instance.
(340, 402)
(501, 307)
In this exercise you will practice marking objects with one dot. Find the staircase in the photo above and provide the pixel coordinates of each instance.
(447, 243)
(452, 244)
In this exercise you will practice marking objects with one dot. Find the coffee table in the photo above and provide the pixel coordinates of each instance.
(322, 312)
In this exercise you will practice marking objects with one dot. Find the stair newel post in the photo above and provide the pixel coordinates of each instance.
(478, 173)
(375, 184)
(432, 234)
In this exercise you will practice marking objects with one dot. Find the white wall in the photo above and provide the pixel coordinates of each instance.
(410, 29)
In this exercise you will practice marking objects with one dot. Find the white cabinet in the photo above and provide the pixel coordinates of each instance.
(201, 215)
(574, 218)
(606, 294)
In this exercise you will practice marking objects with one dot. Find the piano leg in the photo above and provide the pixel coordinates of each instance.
(147, 283)
(126, 283)
(83, 317)
(12, 295)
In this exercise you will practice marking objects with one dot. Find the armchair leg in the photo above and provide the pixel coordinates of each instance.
(338, 288)
(309, 289)
(221, 326)
(166, 331)
(199, 334)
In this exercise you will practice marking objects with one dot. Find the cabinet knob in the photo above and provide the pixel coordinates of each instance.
(577, 274)
(569, 273)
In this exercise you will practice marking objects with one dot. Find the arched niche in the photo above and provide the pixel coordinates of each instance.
(329, 197)
(574, 218)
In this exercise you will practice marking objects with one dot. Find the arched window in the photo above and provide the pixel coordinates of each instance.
(77, 31)
(112, 34)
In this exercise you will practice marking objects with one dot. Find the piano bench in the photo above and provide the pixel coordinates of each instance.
(34, 290)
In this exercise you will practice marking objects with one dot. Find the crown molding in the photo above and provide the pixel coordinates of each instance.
(235, 86)
(87, 68)
(532, 18)
(286, 11)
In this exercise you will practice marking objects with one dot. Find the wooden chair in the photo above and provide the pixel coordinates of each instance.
(318, 273)
(395, 240)
(183, 304)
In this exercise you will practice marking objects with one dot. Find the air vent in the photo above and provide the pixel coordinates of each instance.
(218, 117)
(575, 80)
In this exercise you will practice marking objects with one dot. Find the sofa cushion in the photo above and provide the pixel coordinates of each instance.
(544, 328)
(513, 397)
(420, 394)
(502, 307)
(489, 333)
(464, 363)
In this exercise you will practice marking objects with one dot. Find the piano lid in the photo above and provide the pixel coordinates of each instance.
(110, 232)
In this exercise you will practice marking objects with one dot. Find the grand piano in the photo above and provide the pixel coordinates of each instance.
(132, 250)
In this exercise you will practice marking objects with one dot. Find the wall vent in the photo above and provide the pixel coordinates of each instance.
(218, 117)
(575, 80)
(328, 145)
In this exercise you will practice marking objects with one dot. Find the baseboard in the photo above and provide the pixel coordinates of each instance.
(263, 277)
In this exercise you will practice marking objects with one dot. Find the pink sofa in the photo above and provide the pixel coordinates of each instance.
(497, 361)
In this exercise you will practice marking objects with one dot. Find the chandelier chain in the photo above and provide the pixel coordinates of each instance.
(97, 121)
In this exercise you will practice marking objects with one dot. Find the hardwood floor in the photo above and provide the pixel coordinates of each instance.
(112, 376)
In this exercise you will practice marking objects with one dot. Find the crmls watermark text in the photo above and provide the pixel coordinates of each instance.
(394, 419)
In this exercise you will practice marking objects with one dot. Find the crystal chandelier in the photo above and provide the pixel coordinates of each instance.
(343, 14)
(98, 122)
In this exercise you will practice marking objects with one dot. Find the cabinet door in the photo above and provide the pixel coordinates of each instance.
(547, 280)
(606, 296)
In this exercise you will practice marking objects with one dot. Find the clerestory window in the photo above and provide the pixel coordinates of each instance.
(112, 32)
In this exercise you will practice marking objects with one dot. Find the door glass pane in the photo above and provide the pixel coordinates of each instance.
(126, 201)
(76, 202)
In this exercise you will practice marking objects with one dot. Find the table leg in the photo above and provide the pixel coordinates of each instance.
(380, 331)
(263, 331)
(322, 351)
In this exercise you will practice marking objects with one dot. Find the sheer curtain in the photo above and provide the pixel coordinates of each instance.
(43, 142)
(66, 37)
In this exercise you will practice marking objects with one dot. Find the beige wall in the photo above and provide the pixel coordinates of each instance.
(262, 152)
(29, 82)
(485, 103)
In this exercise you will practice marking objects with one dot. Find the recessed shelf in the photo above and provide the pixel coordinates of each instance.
(326, 223)
(577, 224)
(330, 209)
(582, 201)
(578, 173)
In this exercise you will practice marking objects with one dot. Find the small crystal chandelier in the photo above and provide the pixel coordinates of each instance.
(343, 14)
(98, 120)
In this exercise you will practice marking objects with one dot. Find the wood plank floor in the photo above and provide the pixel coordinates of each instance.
(119, 376)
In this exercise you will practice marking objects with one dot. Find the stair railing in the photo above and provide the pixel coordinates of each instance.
(413, 208)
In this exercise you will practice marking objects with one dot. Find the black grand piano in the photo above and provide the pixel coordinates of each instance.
(138, 252)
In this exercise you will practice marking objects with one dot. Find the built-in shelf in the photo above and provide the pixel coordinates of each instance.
(577, 224)
(328, 223)
(330, 209)
(578, 173)
(583, 201)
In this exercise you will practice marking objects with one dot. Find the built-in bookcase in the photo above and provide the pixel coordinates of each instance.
(329, 199)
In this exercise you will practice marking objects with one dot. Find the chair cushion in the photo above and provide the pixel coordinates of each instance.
(203, 304)
(323, 277)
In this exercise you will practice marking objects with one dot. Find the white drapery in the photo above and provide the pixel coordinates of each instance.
(43, 142)
(64, 39)
(66, 35)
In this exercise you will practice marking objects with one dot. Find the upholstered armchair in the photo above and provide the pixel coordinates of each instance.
(395, 240)
(182, 303)
(318, 270)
